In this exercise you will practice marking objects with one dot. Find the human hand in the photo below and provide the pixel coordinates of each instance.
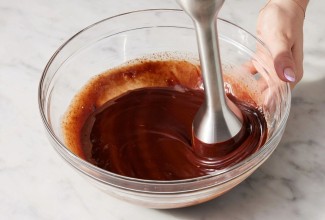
(280, 27)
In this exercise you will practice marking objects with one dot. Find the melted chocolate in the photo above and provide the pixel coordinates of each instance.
(146, 133)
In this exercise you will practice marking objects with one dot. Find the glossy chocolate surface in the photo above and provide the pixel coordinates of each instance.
(146, 133)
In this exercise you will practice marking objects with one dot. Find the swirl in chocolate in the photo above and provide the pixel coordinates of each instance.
(146, 133)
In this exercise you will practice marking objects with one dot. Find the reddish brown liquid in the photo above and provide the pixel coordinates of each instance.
(147, 133)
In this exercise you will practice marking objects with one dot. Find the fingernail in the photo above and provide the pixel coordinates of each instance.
(289, 74)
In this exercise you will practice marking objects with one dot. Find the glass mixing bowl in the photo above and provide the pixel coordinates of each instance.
(121, 38)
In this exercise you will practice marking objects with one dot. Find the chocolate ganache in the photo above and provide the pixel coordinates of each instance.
(146, 133)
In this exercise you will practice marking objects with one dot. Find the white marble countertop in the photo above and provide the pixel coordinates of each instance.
(35, 182)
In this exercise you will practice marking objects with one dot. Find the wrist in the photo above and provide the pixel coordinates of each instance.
(301, 3)
(299, 6)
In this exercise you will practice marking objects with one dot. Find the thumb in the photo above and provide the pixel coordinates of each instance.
(283, 60)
